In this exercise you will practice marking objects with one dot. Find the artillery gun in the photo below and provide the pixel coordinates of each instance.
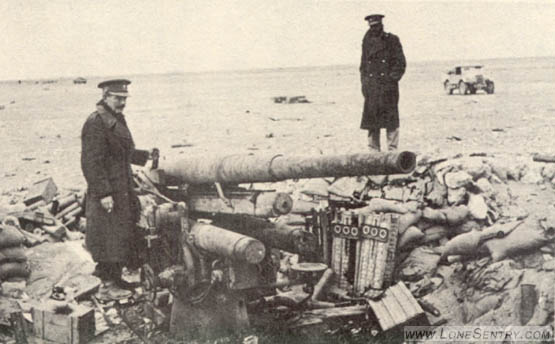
(210, 241)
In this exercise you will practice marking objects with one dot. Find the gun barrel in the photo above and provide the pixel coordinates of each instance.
(236, 169)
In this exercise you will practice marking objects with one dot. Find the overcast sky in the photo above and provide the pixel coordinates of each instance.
(65, 38)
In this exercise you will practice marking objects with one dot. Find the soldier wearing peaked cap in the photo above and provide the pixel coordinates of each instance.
(382, 65)
(112, 207)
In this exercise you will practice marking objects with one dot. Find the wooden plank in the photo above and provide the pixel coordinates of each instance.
(384, 316)
(318, 316)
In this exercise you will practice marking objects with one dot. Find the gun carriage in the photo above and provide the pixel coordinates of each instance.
(213, 245)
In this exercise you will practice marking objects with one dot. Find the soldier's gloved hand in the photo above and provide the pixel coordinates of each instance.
(107, 203)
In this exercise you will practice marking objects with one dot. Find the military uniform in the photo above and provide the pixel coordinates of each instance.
(382, 65)
(107, 153)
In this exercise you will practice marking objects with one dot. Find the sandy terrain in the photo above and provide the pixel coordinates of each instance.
(233, 112)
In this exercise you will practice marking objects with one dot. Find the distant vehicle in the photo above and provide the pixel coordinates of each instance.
(80, 81)
(468, 80)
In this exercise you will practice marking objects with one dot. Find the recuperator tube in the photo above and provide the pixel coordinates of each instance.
(226, 243)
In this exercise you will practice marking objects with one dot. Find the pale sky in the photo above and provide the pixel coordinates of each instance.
(68, 38)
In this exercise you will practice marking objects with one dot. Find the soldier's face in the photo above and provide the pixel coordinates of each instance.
(375, 27)
(116, 103)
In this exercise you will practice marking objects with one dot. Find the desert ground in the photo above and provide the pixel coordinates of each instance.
(233, 112)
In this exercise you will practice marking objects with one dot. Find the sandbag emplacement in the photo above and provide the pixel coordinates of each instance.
(14, 269)
(10, 236)
(12, 254)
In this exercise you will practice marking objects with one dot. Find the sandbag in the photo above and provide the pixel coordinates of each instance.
(500, 230)
(10, 236)
(348, 186)
(474, 310)
(464, 244)
(454, 180)
(477, 207)
(456, 196)
(434, 215)
(407, 220)
(412, 234)
(379, 205)
(466, 227)
(434, 233)
(14, 269)
(522, 240)
(438, 195)
(316, 187)
(12, 254)
(456, 215)
(500, 171)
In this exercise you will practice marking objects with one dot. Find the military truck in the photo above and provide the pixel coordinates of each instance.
(468, 80)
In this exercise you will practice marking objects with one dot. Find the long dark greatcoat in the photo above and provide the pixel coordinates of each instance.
(107, 151)
(381, 67)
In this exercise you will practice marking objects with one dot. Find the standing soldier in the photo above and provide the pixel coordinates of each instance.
(112, 207)
(381, 67)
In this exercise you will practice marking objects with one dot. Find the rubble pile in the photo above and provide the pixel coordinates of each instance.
(464, 238)
(467, 249)
(43, 213)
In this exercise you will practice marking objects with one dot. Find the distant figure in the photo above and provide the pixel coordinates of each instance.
(112, 207)
(381, 67)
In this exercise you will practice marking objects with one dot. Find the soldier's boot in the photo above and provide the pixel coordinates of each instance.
(109, 291)
(102, 271)
(116, 276)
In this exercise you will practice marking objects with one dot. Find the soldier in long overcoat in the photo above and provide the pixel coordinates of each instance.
(112, 207)
(382, 65)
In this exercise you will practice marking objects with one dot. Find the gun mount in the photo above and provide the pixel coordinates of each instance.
(211, 242)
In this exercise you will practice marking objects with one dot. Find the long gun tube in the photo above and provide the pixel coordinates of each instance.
(236, 169)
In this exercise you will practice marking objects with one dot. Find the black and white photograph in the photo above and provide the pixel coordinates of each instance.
(289, 171)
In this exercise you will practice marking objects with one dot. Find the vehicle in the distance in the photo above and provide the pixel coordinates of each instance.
(468, 80)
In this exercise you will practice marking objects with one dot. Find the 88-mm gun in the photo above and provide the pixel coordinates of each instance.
(211, 242)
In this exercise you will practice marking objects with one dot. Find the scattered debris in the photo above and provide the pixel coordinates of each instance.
(275, 119)
(290, 100)
(544, 157)
(181, 145)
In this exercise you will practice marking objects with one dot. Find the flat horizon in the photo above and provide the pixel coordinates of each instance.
(268, 69)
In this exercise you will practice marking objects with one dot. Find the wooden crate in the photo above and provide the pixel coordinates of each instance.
(61, 322)
(43, 190)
